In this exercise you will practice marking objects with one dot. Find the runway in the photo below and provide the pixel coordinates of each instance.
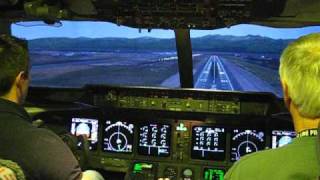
(214, 76)
(221, 74)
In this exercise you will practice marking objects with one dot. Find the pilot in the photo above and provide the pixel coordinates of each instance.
(40, 153)
(300, 79)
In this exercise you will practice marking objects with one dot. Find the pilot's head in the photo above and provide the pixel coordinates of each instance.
(300, 76)
(14, 69)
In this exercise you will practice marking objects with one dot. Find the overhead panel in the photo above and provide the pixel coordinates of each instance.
(184, 14)
(169, 14)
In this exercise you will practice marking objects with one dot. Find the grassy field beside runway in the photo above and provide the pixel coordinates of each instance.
(261, 69)
(148, 72)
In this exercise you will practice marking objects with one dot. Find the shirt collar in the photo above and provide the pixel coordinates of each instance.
(7, 106)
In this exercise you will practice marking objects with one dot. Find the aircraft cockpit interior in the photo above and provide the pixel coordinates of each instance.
(162, 90)
(160, 133)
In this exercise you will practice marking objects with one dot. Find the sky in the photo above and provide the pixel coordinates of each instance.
(34, 30)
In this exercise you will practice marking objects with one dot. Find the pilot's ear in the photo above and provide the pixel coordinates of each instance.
(21, 78)
(286, 97)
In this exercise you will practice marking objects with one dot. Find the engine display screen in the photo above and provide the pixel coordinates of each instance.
(118, 137)
(87, 127)
(213, 174)
(281, 138)
(246, 141)
(154, 140)
(208, 143)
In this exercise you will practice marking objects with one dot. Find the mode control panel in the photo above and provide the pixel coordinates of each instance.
(182, 100)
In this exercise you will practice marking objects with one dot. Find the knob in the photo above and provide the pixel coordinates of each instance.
(187, 173)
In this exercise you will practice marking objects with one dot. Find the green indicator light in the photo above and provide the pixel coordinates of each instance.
(220, 173)
(146, 166)
(206, 175)
(137, 167)
(181, 127)
(213, 174)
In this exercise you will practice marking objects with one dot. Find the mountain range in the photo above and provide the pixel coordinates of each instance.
(220, 43)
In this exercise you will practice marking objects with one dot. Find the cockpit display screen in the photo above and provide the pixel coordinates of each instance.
(118, 137)
(213, 174)
(208, 143)
(154, 140)
(246, 141)
(281, 138)
(87, 127)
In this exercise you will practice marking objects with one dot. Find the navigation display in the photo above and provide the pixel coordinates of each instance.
(88, 128)
(118, 137)
(281, 138)
(246, 141)
(154, 140)
(208, 143)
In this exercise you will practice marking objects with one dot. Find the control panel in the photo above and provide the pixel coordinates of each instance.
(179, 149)
(151, 133)
(186, 100)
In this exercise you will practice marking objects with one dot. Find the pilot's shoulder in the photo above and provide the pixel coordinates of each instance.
(48, 155)
(250, 166)
(48, 145)
(42, 135)
(252, 159)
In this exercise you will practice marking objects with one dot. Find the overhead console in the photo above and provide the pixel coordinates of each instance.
(154, 133)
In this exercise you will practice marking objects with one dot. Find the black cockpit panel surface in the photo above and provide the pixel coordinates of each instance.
(153, 133)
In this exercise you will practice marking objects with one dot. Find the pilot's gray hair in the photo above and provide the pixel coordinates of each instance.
(300, 69)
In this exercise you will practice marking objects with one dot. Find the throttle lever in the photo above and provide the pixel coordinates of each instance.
(85, 147)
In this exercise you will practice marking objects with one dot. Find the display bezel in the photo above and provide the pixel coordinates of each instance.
(281, 130)
(169, 142)
(85, 113)
(241, 129)
(113, 121)
(224, 143)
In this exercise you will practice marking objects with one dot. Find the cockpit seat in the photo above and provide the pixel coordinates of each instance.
(10, 170)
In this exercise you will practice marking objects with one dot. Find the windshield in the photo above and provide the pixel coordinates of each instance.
(73, 54)
(243, 58)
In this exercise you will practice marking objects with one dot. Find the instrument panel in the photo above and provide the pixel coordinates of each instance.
(174, 149)
(176, 141)
(118, 137)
